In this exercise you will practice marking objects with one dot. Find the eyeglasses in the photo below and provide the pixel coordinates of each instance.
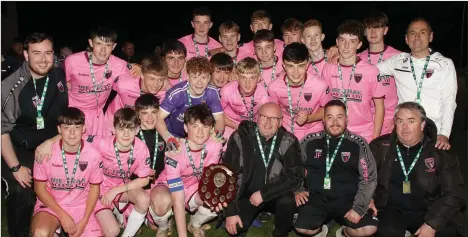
(269, 119)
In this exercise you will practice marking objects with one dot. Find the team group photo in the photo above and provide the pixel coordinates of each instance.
(322, 130)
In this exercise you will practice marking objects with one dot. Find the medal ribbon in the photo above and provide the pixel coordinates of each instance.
(262, 152)
(42, 98)
(93, 77)
(195, 44)
(315, 66)
(119, 162)
(418, 93)
(329, 162)
(292, 112)
(250, 111)
(156, 141)
(272, 74)
(369, 59)
(198, 172)
(340, 73)
(65, 166)
(406, 173)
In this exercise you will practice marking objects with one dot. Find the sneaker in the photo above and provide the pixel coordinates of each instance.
(265, 216)
(407, 234)
(162, 233)
(339, 232)
(196, 231)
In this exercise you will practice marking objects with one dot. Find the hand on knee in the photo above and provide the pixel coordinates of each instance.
(307, 232)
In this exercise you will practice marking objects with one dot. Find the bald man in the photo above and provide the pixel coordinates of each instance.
(267, 162)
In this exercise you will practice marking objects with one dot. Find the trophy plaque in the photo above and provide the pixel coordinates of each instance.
(217, 185)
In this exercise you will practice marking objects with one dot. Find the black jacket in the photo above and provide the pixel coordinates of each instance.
(285, 173)
(439, 178)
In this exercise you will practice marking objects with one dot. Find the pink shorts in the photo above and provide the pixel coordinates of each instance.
(92, 228)
(95, 122)
(387, 127)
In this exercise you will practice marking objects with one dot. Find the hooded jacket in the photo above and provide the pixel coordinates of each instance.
(437, 173)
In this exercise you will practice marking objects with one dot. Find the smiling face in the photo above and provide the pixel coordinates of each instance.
(148, 117)
(419, 36)
(71, 134)
(101, 49)
(261, 24)
(220, 77)
(348, 45)
(265, 51)
(152, 82)
(175, 62)
(40, 57)
(198, 83)
(296, 72)
(229, 40)
(197, 132)
(335, 120)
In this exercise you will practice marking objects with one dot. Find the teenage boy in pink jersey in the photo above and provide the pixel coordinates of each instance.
(261, 20)
(270, 64)
(67, 186)
(223, 65)
(185, 94)
(153, 80)
(355, 81)
(229, 36)
(242, 98)
(174, 54)
(376, 27)
(184, 169)
(312, 38)
(300, 95)
(292, 30)
(91, 76)
(199, 43)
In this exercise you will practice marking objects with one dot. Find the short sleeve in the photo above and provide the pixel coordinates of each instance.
(272, 94)
(173, 173)
(143, 161)
(377, 89)
(68, 69)
(96, 175)
(215, 157)
(215, 102)
(169, 103)
(386, 67)
(40, 171)
(224, 93)
(325, 96)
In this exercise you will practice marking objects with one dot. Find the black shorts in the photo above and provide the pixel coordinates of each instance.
(317, 211)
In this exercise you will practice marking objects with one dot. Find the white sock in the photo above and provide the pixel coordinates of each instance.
(134, 222)
(201, 216)
(161, 221)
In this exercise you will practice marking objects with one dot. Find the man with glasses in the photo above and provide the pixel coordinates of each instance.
(268, 165)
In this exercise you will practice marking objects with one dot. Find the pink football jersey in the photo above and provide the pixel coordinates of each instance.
(317, 66)
(87, 172)
(195, 49)
(82, 93)
(314, 96)
(234, 107)
(388, 83)
(181, 78)
(241, 54)
(139, 163)
(179, 172)
(269, 74)
(360, 90)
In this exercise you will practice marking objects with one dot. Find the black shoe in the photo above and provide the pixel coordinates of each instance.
(265, 216)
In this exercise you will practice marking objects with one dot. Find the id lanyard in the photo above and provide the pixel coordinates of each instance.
(406, 183)
(40, 103)
(156, 141)
(369, 59)
(329, 162)
(119, 162)
(272, 74)
(315, 66)
(293, 112)
(250, 111)
(340, 73)
(262, 152)
(195, 44)
(419, 86)
(93, 77)
(198, 173)
(65, 166)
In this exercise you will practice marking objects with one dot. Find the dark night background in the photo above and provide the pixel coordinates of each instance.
(148, 24)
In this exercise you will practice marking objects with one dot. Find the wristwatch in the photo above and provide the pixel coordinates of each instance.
(15, 168)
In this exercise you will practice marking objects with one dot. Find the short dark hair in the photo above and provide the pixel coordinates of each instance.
(419, 19)
(263, 35)
(36, 38)
(335, 102)
(71, 116)
(376, 20)
(222, 61)
(295, 53)
(201, 113)
(146, 101)
(292, 24)
(351, 27)
(260, 15)
(201, 11)
(104, 32)
(126, 118)
(173, 46)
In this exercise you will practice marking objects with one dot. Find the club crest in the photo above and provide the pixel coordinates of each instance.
(345, 156)
(357, 77)
(60, 86)
(83, 165)
(108, 74)
(307, 96)
(429, 73)
(429, 164)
